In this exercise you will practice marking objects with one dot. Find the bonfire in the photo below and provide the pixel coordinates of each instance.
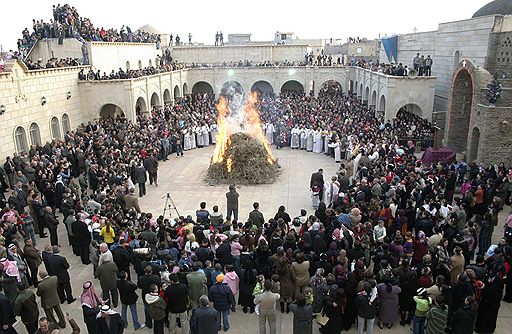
(242, 153)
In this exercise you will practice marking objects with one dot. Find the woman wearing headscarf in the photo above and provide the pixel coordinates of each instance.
(91, 304)
(388, 303)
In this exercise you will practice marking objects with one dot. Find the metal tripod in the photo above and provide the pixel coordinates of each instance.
(169, 205)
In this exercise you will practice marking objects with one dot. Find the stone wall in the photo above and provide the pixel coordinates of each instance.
(50, 48)
(21, 93)
(112, 56)
(409, 45)
(495, 127)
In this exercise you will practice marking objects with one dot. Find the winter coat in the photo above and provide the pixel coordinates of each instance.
(202, 320)
(156, 306)
(302, 319)
(221, 296)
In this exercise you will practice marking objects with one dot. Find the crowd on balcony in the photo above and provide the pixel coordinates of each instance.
(67, 23)
(384, 68)
(52, 63)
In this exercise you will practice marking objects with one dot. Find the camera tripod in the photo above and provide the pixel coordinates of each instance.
(169, 204)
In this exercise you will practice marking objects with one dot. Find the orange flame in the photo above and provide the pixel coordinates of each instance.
(251, 126)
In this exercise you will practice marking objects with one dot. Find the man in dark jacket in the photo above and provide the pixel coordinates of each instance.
(151, 165)
(203, 317)
(223, 300)
(59, 267)
(82, 237)
(256, 217)
(177, 293)
(107, 274)
(26, 307)
(318, 179)
(122, 256)
(128, 294)
(145, 283)
(232, 203)
(33, 259)
(110, 321)
(140, 178)
(52, 223)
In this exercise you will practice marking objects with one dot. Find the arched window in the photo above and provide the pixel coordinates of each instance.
(35, 135)
(65, 123)
(55, 128)
(127, 66)
(140, 65)
(20, 138)
(150, 63)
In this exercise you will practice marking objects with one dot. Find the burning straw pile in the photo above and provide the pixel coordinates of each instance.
(245, 161)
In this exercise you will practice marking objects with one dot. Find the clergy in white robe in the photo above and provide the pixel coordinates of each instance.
(303, 138)
(309, 143)
(295, 142)
(193, 138)
(337, 151)
(327, 137)
(269, 132)
(214, 131)
(200, 137)
(318, 142)
(206, 135)
(187, 144)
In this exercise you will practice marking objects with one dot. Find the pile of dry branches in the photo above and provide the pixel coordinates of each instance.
(249, 163)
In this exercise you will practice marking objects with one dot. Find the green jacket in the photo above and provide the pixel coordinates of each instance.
(196, 284)
(25, 306)
(156, 306)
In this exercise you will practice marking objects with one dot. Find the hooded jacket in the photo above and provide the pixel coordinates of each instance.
(156, 306)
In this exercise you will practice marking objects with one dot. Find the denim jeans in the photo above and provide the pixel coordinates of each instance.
(29, 230)
(135, 316)
(223, 316)
(418, 325)
(149, 320)
(360, 325)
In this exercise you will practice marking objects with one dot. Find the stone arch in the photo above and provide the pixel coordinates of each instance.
(167, 96)
(311, 88)
(292, 85)
(360, 91)
(331, 86)
(351, 86)
(35, 134)
(366, 94)
(373, 100)
(155, 100)
(461, 107)
(262, 86)
(111, 110)
(185, 89)
(177, 92)
(456, 60)
(127, 66)
(475, 142)
(20, 139)
(412, 108)
(140, 105)
(202, 87)
(230, 88)
(382, 105)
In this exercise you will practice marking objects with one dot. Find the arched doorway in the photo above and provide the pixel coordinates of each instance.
(140, 64)
(373, 101)
(127, 66)
(202, 87)
(475, 141)
(360, 91)
(382, 105)
(231, 88)
(177, 93)
(155, 100)
(111, 111)
(292, 86)
(35, 134)
(167, 96)
(366, 94)
(412, 108)
(140, 106)
(150, 63)
(185, 89)
(311, 89)
(55, 128)
(20, 139)
(460, 111)
(262, 87)
(331, 87)
(351, 86)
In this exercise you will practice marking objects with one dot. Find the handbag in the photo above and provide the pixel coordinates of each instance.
(322, 319)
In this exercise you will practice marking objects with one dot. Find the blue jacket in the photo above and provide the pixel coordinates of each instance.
(221, 296)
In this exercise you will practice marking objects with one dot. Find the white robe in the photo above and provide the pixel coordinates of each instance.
(318, 142)
(199, 137)
(327, 136)
(303, 139)
(309, 143)
(337, 151)
(206, 135)
(295, 142)
(187, 143)
(214, 131)
(269, 132)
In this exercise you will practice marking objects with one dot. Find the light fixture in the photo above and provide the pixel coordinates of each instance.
(503, 126)
(43, 101)
(231, 72)
(68, 95)
(2, 109)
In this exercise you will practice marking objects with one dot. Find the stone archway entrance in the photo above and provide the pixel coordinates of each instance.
(262, 87)
(460, 111)
(475, 141)
(177, 93)
(231, 88)
(140, 106)
(293, 86)
(412, 109)
(155, 100)
(167, 97)
(111, 111)
(331, 87)
(202, 87)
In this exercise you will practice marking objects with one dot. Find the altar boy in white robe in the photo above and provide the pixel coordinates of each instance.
(295, 142)
(187, 144)
(318, 141)
(213, 132)
(309, 143)
(205, 134)
(269, 132)
(303, 138)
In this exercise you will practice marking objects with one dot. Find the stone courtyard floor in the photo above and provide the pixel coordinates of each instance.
(183, 179)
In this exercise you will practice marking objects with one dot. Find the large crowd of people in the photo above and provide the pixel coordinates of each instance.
(391, 239)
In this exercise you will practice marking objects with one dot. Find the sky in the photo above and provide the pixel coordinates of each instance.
(306, 19)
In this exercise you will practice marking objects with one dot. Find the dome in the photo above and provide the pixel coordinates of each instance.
(499, 7)
(151, 29)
